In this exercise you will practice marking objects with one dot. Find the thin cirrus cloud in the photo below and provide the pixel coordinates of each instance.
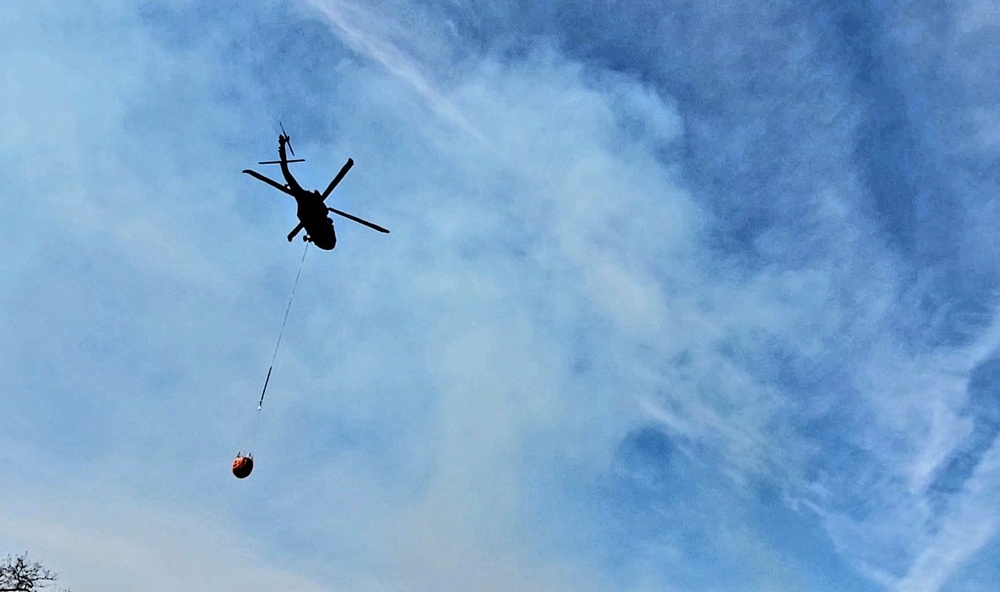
(673, 299)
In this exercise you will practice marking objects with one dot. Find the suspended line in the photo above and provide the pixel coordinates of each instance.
(282, 331)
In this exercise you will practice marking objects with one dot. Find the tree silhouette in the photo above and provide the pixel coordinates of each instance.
(18, 574)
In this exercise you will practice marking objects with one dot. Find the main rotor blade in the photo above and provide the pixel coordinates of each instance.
(295, 231)
(279, 162)
(337, 179)
(359, 220)
(270, 182)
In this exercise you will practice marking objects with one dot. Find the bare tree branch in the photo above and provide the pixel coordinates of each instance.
(18, 574)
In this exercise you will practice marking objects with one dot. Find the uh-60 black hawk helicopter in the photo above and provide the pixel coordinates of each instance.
(313, 213)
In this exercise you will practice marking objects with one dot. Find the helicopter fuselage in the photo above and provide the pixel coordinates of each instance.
(312, 212)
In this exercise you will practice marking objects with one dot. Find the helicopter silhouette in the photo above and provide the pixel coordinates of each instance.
(312, 211)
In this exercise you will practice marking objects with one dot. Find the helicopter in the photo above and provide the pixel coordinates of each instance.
(312, 211)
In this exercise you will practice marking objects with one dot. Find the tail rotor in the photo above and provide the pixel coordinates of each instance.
(287, 138)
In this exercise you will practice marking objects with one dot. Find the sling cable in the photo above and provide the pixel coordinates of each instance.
(243, 463)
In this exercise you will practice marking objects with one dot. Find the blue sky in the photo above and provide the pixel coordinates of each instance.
(677, 297)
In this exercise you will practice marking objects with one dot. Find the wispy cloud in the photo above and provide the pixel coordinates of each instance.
(399, 37)
(100, 539)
